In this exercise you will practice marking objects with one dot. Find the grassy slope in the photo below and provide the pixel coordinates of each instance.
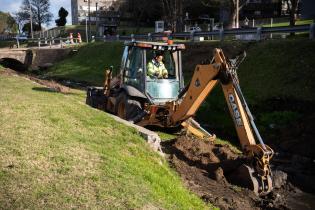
(279, 68)
(90, 63)
(6, 43)
(56, 152)
(275, 69)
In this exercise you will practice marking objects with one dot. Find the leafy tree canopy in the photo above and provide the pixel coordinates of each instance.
(7, 23)
(62, 20)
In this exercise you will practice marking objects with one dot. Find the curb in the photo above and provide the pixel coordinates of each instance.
(151, 137)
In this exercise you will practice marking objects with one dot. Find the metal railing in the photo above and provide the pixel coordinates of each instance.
(51, 42)
(256, 33)
(4, 37)
(241, 34)
(54, 32)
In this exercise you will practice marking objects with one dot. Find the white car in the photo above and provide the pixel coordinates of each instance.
(21, 37)
(194, 29)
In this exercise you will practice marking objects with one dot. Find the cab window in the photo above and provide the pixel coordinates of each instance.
(134, 68)
(168, 61)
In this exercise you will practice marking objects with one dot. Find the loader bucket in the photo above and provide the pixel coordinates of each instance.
(245, 176)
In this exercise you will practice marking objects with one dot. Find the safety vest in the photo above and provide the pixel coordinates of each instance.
(155, 68)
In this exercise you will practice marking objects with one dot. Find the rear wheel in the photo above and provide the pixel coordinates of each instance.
(128, 108)
(95, 98)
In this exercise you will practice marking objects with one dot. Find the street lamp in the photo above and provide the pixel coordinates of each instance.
(89, 3)
(31, 19)
(89, 15)
(96, 18)
(86, 29)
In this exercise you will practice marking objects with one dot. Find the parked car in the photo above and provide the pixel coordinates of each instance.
(21, 37)
(204, 17)
(217, 27)
(194, 29)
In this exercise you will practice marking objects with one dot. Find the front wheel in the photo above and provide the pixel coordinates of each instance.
(128, 108)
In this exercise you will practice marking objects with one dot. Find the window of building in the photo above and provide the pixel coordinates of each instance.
(257, 12)
(255, 1)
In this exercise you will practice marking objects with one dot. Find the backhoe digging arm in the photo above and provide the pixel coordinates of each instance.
(258, 175)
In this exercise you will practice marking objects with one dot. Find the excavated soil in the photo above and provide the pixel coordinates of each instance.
(50, 85)
(206, 169)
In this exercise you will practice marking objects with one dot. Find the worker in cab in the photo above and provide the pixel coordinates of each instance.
(156, 67)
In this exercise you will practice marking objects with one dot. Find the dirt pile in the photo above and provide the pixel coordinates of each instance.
(205, 169)
(50, 85)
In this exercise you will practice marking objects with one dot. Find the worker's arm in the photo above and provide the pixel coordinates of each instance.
(164, 71)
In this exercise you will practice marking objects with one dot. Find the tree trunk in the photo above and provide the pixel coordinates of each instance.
(39, 19)
(293, 12)
(232, 18)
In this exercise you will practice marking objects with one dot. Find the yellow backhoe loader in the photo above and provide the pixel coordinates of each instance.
(145, 100)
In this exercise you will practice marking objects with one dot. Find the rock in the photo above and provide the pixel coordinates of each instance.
(35, 68)
(46, 65)
(279, 179)
(219, 174)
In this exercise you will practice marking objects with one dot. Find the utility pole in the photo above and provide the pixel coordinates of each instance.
(89, 11)
(96, 18)
(31, 20)
(86, 30)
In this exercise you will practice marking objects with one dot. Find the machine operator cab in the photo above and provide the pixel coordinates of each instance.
(134, 70)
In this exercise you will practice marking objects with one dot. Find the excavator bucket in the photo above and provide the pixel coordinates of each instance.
(245, 176)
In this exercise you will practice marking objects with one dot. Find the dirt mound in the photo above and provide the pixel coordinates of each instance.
(203, 166)
(216, 159)
(205, 169)
(49, 84)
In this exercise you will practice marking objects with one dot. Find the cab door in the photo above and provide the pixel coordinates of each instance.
(134, 68)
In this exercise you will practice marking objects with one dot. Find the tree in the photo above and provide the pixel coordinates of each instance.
(39, 9)
(7, 23)
(173, 13)
(141, 11)
(20, 18)
(62, 20)
(292, 6)
(27, 27)
(231, 5)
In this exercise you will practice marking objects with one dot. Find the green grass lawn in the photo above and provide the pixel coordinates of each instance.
(298, 22)
(6, 43)
(58, 153)
(90, 63)
(279, 68)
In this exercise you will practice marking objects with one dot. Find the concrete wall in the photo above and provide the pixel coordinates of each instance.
(35, 58)
(41, 57)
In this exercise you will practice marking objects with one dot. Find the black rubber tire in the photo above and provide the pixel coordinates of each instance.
(89, 97)
(128, 108)
(95, 98)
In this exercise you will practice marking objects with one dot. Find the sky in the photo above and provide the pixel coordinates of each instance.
(14, 5)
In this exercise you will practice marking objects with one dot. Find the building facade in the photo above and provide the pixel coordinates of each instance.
(262, 9)
(80, 8)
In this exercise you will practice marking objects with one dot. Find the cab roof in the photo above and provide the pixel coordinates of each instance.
(156, 45)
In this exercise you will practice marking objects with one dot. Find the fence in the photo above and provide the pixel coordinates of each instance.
(55, 32)
(50, 42)
(4, 37)
(240, 33)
